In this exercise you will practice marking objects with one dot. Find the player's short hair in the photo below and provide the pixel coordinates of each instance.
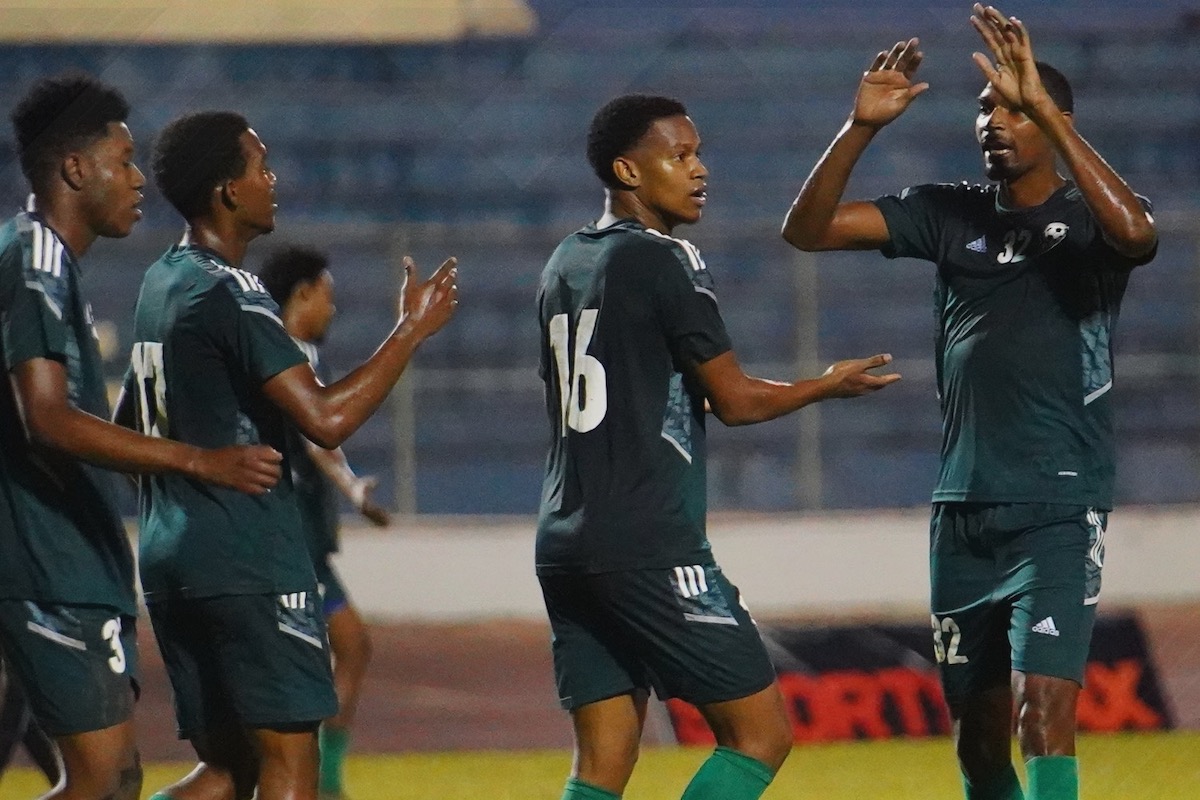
(290, 266)
(1057, 86)
(195, 154)
(61, 114)
(619, 125)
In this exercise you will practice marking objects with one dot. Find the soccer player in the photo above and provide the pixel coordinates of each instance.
(299, 280)
(632, 346)
(67, 602)
(1031, 269)
(227, 579)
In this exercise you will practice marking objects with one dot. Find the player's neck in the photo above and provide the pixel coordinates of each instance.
(1031, 189)
(221, 237)
(65, 220)
(627, 205)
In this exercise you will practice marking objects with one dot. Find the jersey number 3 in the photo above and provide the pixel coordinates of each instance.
(582, 384)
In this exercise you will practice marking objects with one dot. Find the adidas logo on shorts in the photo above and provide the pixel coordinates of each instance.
(1046, 626)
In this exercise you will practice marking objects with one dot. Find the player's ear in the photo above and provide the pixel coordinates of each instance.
(72, 170)
(627, 172)
(228, 194)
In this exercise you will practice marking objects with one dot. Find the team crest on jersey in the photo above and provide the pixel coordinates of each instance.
(1054, 233)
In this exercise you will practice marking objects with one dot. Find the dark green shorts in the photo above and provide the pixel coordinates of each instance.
(248, 661)
(1014, 587)
(77, 664)
(682, 631)
(329, 584)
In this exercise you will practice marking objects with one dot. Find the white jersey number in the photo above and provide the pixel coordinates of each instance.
(582, 384)
(112, 634)
(1015, 244)
(151, 378)
(949, 654)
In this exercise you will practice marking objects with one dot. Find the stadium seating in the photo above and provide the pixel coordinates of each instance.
(481, 141)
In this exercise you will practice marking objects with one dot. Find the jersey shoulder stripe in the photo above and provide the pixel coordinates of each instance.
(43, 264)
(689, 251)
(689, 256)
(247, 289)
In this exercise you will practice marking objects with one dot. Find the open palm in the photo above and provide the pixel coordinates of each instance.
(1014, 75)
(887, 87)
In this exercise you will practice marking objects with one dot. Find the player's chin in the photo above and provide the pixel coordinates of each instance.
(996, 170)
(120, 228)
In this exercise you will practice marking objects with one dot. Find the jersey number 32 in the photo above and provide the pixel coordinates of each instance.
(582, 384)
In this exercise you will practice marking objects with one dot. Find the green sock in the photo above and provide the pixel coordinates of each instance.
(161, 796)
(729, 775)
(334, 743)
(578, 790)
(1004, 786)
(1053, 778)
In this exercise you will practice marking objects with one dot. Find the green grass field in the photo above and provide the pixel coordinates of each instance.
(1125, 767)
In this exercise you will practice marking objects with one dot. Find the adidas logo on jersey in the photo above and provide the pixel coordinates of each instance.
(1046, 626)
(978, 246)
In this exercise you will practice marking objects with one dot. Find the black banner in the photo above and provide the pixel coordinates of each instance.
(880, 681)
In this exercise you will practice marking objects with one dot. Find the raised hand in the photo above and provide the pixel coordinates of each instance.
(252, 469)
(887, 88)
(429, 304)
(1014, 75)
(853, 378)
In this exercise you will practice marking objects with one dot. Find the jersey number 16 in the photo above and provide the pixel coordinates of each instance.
(582, 384)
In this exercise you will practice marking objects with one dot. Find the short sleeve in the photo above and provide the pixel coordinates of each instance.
(686, 303)
(249, 330)
(36, 297)
(914, 220)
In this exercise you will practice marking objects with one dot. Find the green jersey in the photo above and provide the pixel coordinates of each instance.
(61, 536)
(315, 492)
(1026, 302)
(208, 335)
(625, 312)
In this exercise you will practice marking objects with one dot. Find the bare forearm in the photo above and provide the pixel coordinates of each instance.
(104, 444)
(1108, 197)
(761, 400)
(342, 407)
(812, 212)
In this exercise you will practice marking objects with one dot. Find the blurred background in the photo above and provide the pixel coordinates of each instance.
(457, 128)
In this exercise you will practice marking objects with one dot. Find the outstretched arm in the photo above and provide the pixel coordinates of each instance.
(327, 415)
(738, 399)
(357, 489)
(1126, 225)
(40, 388)
(818, 220)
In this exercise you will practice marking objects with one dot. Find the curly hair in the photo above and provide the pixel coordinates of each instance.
(59, 115)
(195, 154)
(619, 125)
(290, 266)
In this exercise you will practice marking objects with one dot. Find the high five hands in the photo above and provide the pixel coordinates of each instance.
(1014, 75)
(887, 87)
